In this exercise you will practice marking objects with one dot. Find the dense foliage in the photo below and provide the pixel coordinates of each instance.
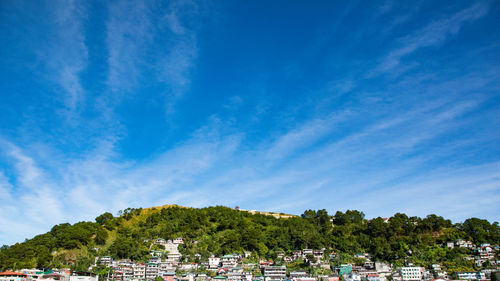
(221, 230)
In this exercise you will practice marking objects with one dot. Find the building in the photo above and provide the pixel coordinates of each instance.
(298, 274)
(229, 261)
(152, 270)
(178, 240)
(83, 276)
(411, 273)
(345, 269)
(306, 279)
(213, 262)
(55, 277)
(139, 271)
(353, 276)
(471, 275)
(372, 277)
(276, 272)
(106, 260)
(13, 276)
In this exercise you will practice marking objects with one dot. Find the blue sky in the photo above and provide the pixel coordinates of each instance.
(380, 106)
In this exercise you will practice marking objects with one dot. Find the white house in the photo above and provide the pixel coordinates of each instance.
(411, 273)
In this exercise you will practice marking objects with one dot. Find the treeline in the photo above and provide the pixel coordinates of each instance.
(221, 230)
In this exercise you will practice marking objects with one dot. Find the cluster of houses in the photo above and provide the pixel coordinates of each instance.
(47, 275)
(481, 254)
(166, 263)
(235, 267)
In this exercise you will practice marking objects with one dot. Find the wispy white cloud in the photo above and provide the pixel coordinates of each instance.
(175, 69)
(140, 41)
(65, 52)
(305, 135)
(129, 30)
(433, 34)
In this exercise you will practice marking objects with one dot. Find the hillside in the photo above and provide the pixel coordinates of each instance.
(221, 230)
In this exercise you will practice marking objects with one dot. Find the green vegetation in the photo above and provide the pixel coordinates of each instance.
(221, 230)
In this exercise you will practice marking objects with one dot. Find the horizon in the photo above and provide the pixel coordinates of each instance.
(280, 107)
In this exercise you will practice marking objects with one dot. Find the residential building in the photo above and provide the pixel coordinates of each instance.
(298, 274)
(213, 262)
(345, 269)
(13, 276)
(471, 275)
(275, 272)
(152, 270)
(83, 276)
(139, 271)
(411, 273)
(229, 261)
(353, 276)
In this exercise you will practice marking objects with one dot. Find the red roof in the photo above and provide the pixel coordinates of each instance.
(12, 273)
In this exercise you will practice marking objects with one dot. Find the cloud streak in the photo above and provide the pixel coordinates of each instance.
(433, 34)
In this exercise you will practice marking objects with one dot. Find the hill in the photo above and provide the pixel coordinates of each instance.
(221, 230)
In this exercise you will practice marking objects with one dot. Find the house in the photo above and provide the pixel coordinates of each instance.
(471, 275)
(168, 276)
(306, 252)
(258, 278)
(128, 273)
(222, 271)
(369, 265)
(345, 269)
(353, 276)
(155, 260)
(230, 260)
(213, 262)
(264, 263)
(319, 254)
(411, 273)
(360, 256)
(461, 243)
(201, 277)
(371, 277)
(188, 266)
(331, 278)
(152, 270)
(275, 272)
(171, 247)
(305, 279)
(298, 274)
(13, 276)
(106, 260)
(83, 276)
(160, 241)
(156, 253)
(236, 274)
(139, 271)
(178, 241)
(55, 277)
(296, 255)
(174, 257)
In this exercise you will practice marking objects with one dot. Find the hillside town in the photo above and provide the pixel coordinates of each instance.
(169, 264)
